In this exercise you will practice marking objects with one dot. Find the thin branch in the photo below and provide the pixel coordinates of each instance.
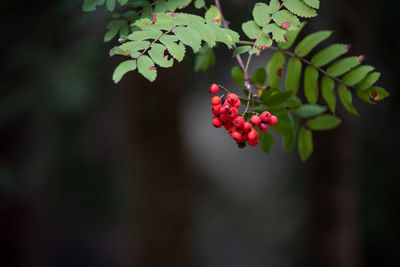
(238, 57)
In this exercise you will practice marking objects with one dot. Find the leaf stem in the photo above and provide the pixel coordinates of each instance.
(238, 57)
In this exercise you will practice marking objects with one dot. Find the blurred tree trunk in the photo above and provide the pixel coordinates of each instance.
(332, 169)
(161, 188)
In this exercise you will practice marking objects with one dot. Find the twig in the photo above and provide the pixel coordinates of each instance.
(238, 57)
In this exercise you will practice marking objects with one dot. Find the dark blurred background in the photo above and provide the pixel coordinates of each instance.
(97, 174)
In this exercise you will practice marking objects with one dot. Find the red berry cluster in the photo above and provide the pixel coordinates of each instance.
(226, 113)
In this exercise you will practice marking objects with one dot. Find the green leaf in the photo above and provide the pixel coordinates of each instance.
(308, 111)
(110, 4)
(206, 32)
(251, 29)
(363, 95)
(291, 37)
(122, 69)
(342, 66)
(299, 8)
(328, 93)
(240, 50)
(369, 80)
(263, 41)
(266, 142)
(378, 93)
(118, 51)
(312, 3)
(204, 59)
(261, 14)
(329, 54)
(134, 47)
(238, 76)
(259, 77)
(310, 42)
(199, 4)
(347, 98)
(323, 122)
(146, 67)
(293, 103)
(213, 16)
(293, 75)
(177, 50)
(144, 35)
(189, 37)
(272, 98)
(157, 55)
(90, 5)
(357, 74)
(305, 145)
(311, 84)
(289, 141)
(278, 34)
(226, 36)
(274, 70)
(284, 127)
(113, 28)
(285, 16)
(182, 3)
(139, 4)
(122, 2)
(273, 6)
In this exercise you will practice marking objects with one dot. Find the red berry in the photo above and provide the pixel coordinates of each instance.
(233, 112)
(216, 100)
(237, 104)
(213, 89)
(223, 118)
(273, 120)
(216, 110)
(253, 135)
(217, 123)
(228, 125)
(253, 142)
(263, 127)
(238, 122)
(247, 127)
(232, 98)
(237, 136)
(265, 116)
(231, 130)
(255, 120)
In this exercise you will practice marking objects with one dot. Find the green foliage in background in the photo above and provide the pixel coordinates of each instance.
(154, 34)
